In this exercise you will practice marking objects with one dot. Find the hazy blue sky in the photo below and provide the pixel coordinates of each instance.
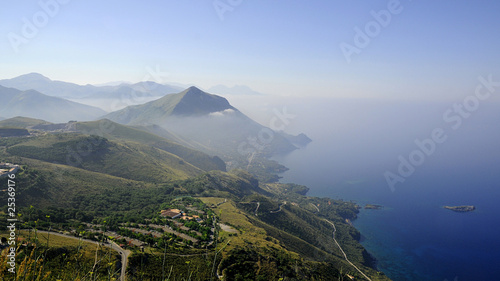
(428, 49)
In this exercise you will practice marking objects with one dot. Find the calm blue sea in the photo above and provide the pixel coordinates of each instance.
(413, 237)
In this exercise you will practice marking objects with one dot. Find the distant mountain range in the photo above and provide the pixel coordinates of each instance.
(192, 117)
(44, 85)
(30, 103)
(128, 91)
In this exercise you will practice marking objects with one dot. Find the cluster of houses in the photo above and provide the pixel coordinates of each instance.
(7, 168)
(178, 214)
(171, 213)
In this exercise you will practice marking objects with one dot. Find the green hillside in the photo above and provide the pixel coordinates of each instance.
(123, 159)
(235, 184)
(273, 230)
(22, 122)
(115, 188)
(161, 132)
(115, 131)
(42, 184)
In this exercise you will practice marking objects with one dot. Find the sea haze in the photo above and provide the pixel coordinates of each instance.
(413, 237)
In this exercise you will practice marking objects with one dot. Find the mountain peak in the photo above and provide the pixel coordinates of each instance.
(27, 81)
(197, 102)
(190, 102)
(193, 90)
(33, 76)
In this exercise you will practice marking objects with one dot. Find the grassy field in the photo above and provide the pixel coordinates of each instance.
(40, 256)
(53, 240)
(122, 159)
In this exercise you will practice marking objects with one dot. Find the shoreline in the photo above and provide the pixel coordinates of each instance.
(369, 258)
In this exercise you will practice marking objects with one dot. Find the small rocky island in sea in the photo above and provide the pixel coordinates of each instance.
(461, 209)
(373, 206)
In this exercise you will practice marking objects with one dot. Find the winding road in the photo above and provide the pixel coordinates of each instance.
(315, 206)
(345, 256)
(336, 242)
(256, 209)
(279, 208)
